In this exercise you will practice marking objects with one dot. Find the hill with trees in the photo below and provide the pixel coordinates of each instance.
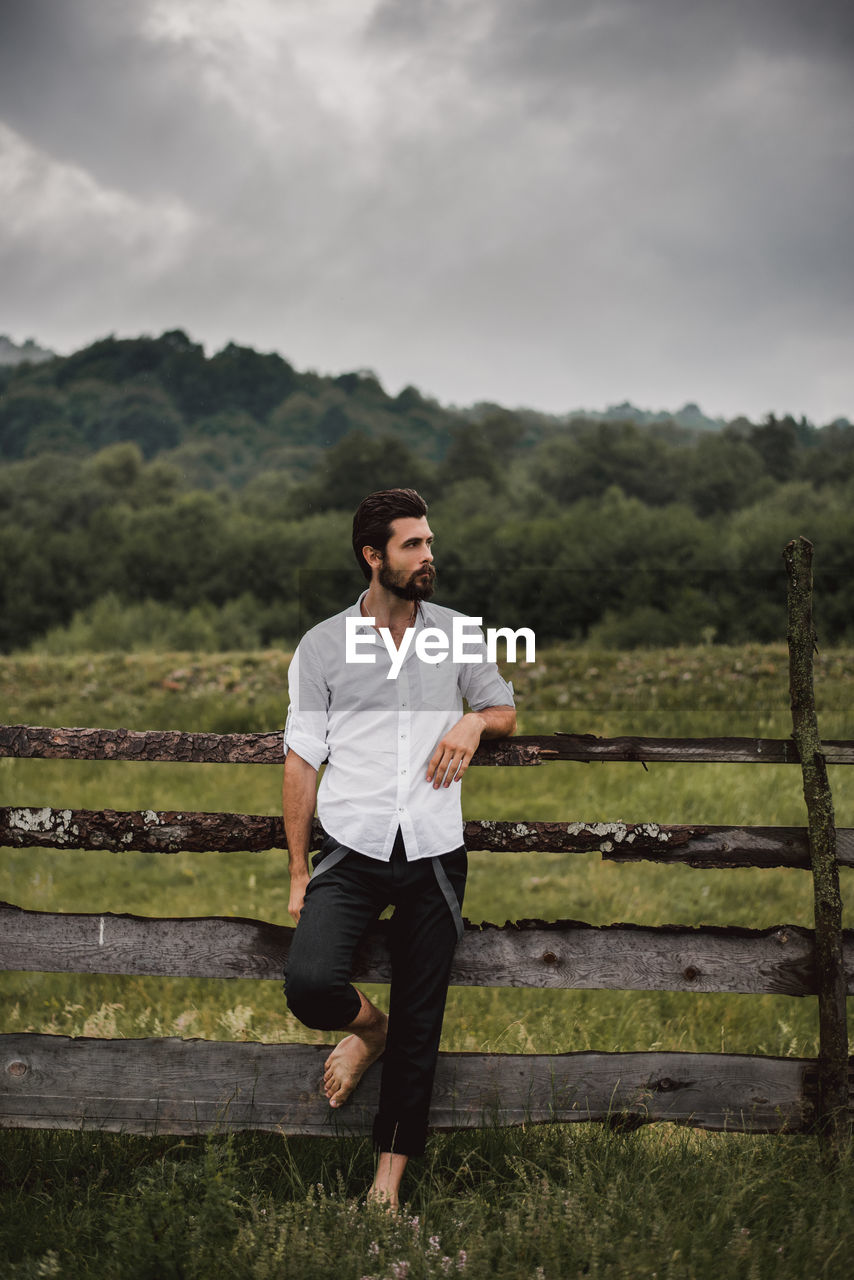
(150, 493)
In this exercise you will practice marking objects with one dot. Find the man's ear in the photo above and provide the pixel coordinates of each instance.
(373, 557)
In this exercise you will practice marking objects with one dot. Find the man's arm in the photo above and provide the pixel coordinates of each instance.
(454, 751)
(299, 791)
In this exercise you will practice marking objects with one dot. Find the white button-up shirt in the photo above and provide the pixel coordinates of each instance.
(376, 735)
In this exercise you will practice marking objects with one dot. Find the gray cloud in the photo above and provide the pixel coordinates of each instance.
(543, 39)
(552, 203)
(675, 179)
(83, 81)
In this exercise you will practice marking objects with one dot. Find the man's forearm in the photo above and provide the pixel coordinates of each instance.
(498, 722)
(299, 787)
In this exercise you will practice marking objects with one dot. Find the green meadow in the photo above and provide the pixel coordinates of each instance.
(555, 1201)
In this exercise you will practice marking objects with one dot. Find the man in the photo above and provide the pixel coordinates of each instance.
(393, 749)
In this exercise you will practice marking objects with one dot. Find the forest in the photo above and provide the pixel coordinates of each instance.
(154, 496)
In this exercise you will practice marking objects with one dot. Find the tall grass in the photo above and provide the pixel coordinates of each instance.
(553, 1202)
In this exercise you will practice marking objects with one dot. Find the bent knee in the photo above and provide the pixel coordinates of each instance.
(319, 1001)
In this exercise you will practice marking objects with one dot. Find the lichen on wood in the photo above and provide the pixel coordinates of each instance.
(833, 1115)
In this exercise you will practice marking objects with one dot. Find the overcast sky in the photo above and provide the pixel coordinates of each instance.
(558, 203)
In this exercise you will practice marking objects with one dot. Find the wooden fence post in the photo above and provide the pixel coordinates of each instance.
(833, 1115)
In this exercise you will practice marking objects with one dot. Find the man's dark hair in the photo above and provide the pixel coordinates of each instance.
(372, 521)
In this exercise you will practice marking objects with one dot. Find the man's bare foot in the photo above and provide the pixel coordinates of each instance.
(379, 1199)
(350, 1059)
(386, 1185)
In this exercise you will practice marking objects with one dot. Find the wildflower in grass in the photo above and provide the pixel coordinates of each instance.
(374, 1249)
(434, 1244)
(446, 1265)
(400, 1270)
(462, 1259)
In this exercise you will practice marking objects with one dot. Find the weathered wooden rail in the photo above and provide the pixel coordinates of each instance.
(196, 1086)
(176, 1086)
(175, 747)
(171, 831)
(525, 953)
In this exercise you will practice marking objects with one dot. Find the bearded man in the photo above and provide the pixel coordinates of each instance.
(391, 730)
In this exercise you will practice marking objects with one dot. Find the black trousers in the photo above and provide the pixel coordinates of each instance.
(341, 903)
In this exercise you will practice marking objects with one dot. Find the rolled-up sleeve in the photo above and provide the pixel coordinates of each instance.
(308, 712)
(482, 684)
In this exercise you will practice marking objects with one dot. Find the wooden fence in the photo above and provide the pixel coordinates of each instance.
(176, 1086)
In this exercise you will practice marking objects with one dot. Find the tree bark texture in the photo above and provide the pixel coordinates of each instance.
(172, 831)
(834, 1118)
(174, 746)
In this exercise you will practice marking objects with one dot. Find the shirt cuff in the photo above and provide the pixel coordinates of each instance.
(499, 693)
(313, 750)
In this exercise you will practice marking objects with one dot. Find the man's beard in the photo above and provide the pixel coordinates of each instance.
(412, 586)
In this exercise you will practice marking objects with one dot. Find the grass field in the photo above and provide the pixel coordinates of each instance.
(566, 1201)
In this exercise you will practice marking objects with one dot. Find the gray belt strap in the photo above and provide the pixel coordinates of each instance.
(331, 860)
(449, 895)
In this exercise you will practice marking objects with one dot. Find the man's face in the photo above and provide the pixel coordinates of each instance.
(407, 567)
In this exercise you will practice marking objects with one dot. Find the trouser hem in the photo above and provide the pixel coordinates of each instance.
(399, 1137)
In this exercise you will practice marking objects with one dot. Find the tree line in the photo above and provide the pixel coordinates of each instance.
(150, 494)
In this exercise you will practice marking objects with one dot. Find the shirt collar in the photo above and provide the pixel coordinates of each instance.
(355, 611)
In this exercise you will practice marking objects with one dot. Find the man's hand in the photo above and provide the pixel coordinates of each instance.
(451, 758)
(453, 753)
(299, 883)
